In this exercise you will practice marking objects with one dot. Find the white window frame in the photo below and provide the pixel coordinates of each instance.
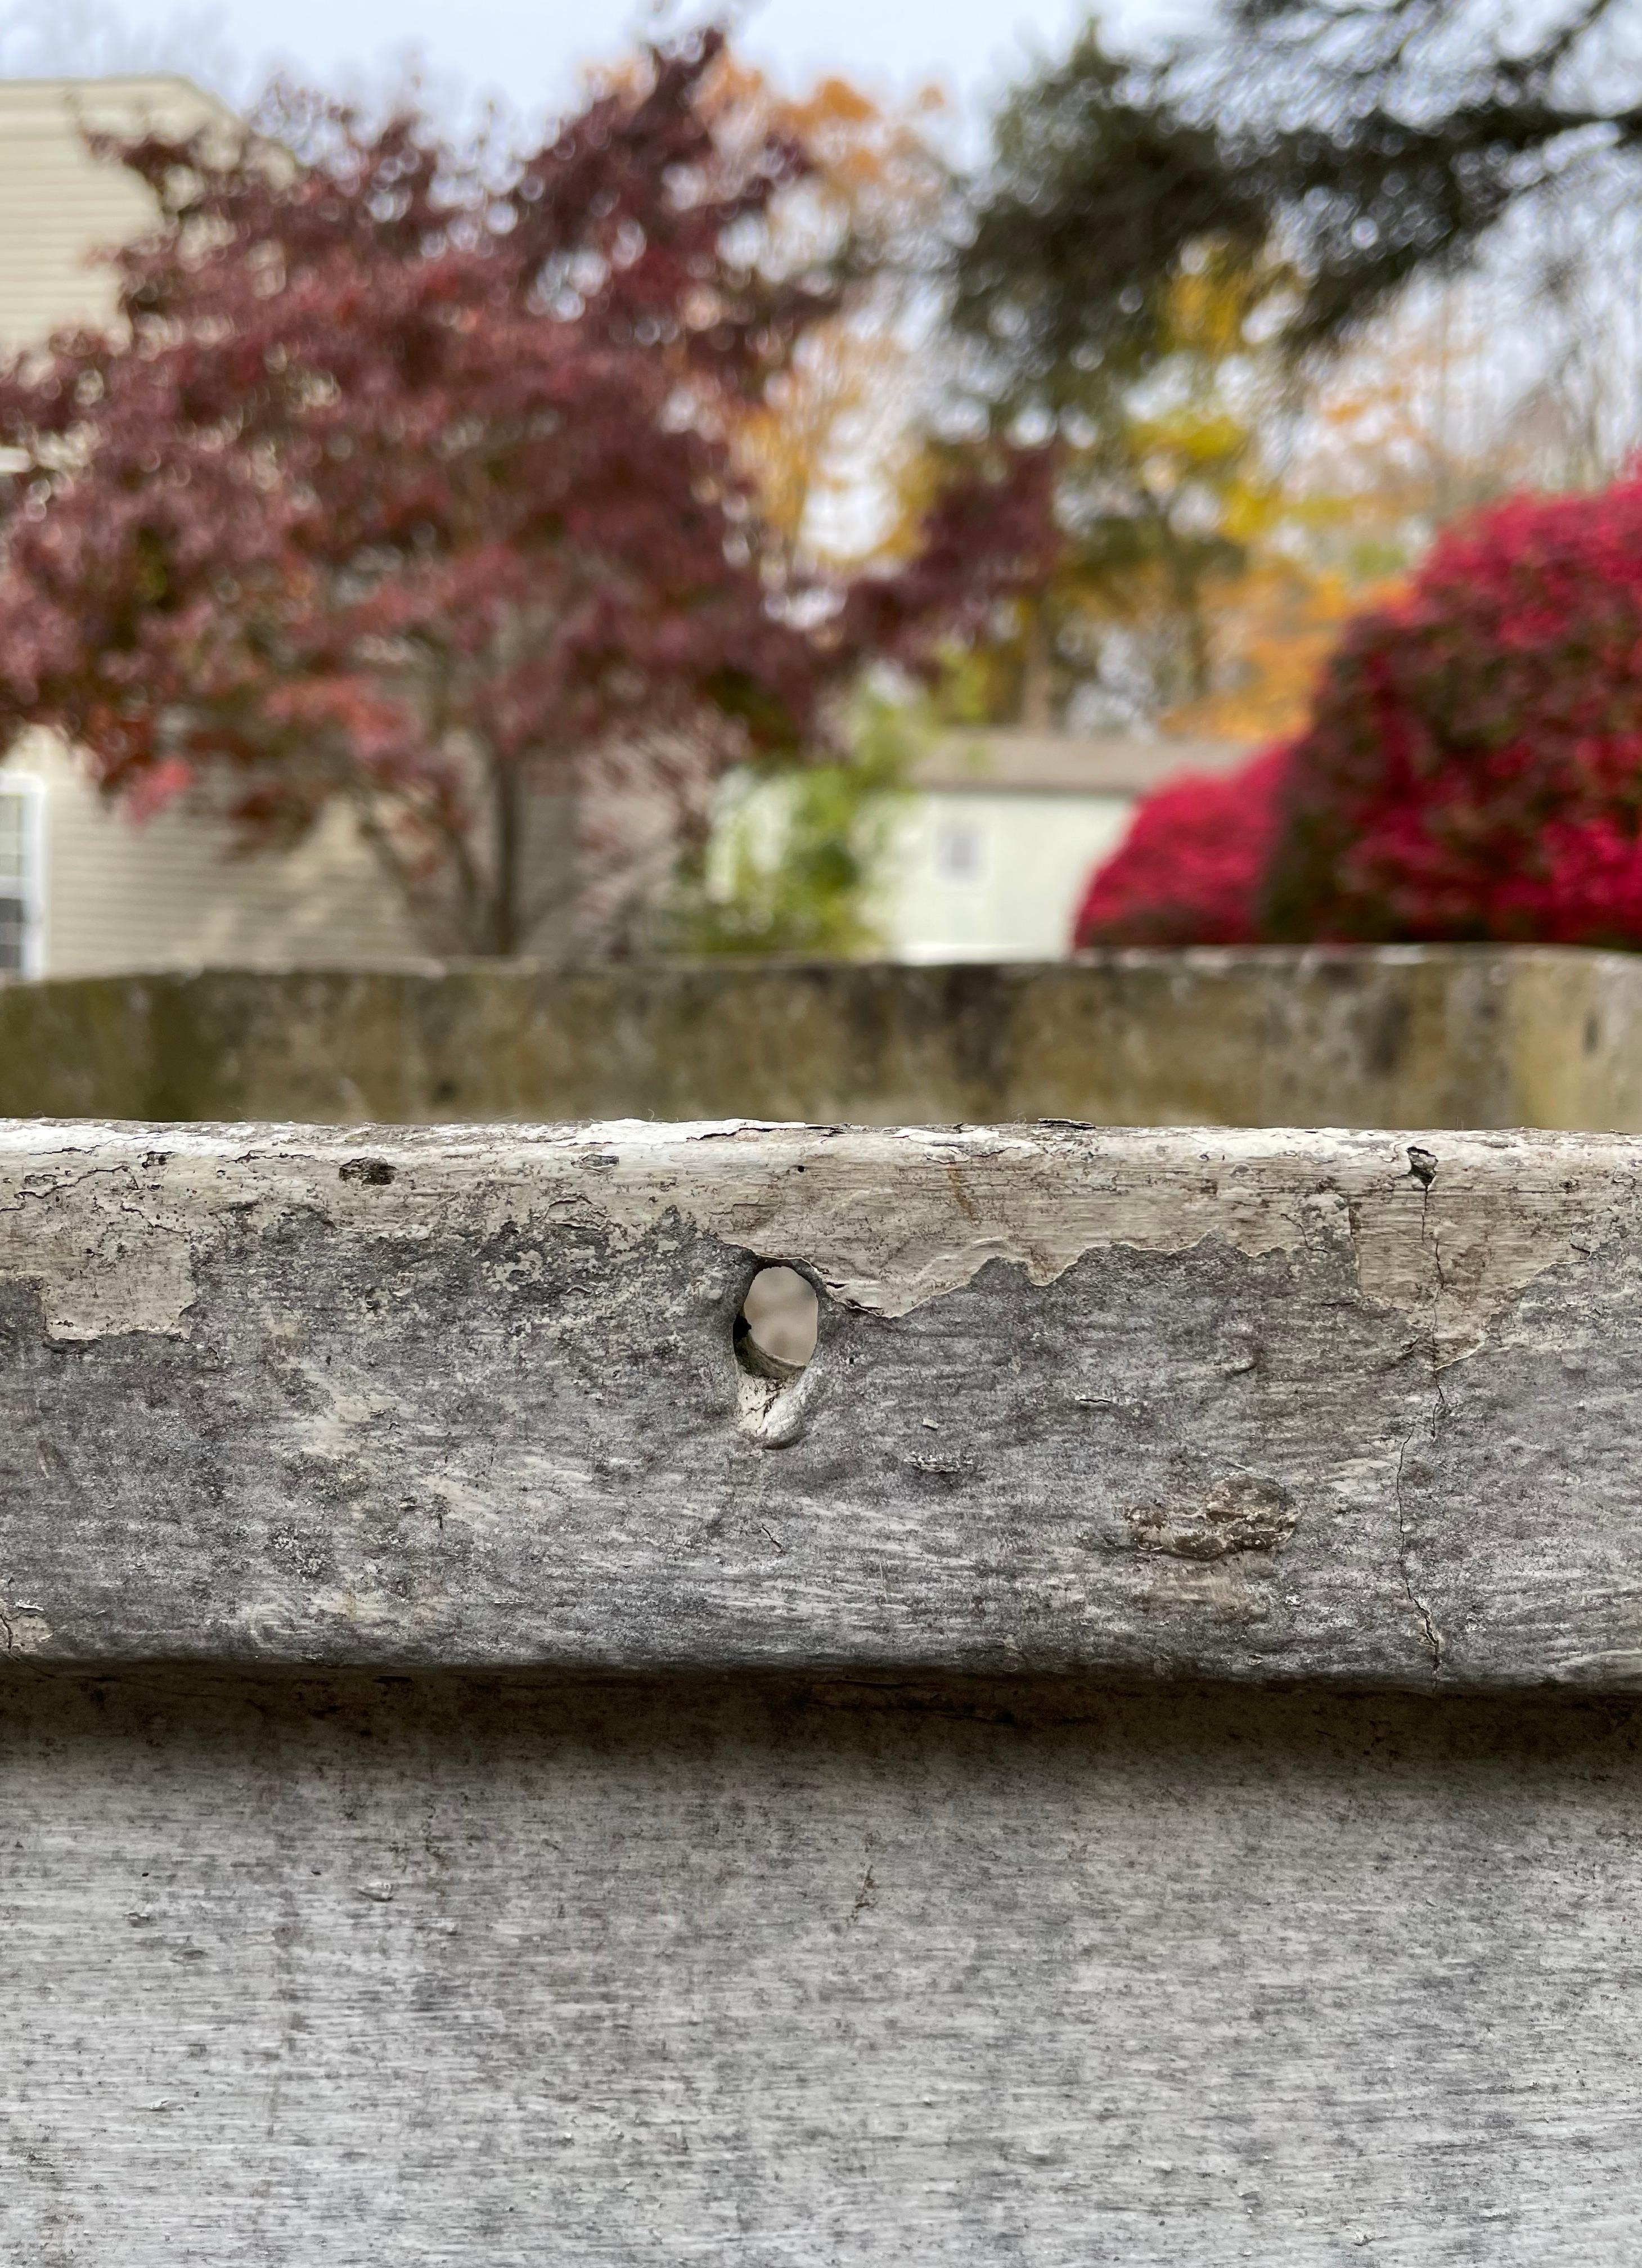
(31, 792)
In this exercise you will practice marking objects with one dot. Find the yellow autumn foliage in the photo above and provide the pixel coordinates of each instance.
(829, 443)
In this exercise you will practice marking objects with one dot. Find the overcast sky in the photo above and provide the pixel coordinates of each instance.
(529, 50)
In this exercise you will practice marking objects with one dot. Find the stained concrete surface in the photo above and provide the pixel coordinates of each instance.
(1423, 1036)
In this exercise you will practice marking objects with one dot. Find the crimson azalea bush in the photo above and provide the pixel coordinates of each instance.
(1189, 871)
(1472, 769)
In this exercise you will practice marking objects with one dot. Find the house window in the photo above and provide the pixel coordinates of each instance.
(959, 852)
(20, 877)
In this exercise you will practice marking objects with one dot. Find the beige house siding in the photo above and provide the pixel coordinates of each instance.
(167, 893)
(992, 851)
(978, 875)
(59, 206)
(103, 894)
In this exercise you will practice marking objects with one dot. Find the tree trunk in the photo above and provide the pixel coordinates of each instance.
(1186, 583)
(1199, 660)
(506, 858)
(1037, 710)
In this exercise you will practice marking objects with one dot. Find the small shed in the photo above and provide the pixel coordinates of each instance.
(1003, 828)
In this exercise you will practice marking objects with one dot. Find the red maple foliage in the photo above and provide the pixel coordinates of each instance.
(988, 536)
(399, 487)
(1473, 768)
(1189, 869)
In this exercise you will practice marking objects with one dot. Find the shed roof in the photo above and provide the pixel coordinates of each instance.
(1064, 763)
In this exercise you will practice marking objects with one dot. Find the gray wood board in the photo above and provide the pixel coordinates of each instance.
(451, 1974)
(1250, 1405)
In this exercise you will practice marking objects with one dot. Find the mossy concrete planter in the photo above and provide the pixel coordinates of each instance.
(1404, 1035)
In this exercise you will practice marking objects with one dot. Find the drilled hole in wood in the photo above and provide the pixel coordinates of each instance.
(775, 1332)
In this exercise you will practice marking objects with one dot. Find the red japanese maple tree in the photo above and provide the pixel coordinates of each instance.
(987, 539)
(397, 486)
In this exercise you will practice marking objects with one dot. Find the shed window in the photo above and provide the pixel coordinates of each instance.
(960, 852)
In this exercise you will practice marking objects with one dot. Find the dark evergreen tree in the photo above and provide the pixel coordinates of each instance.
(1347, 146)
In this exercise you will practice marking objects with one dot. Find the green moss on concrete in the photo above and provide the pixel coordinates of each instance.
(1430, 1036)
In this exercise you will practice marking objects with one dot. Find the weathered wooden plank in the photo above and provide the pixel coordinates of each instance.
(1280, 1405)
(496, 1974)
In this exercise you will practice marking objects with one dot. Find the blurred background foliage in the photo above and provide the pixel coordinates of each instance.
(795, 864)
(1275, 304)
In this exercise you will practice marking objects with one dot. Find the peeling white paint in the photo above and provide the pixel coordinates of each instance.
(109, 1220)
(459, 1396)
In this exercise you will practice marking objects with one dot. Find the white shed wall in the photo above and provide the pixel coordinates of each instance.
(982, 875)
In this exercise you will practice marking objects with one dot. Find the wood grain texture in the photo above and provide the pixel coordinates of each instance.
(896, 1933)
(454, 1974)
(1354, 1407)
